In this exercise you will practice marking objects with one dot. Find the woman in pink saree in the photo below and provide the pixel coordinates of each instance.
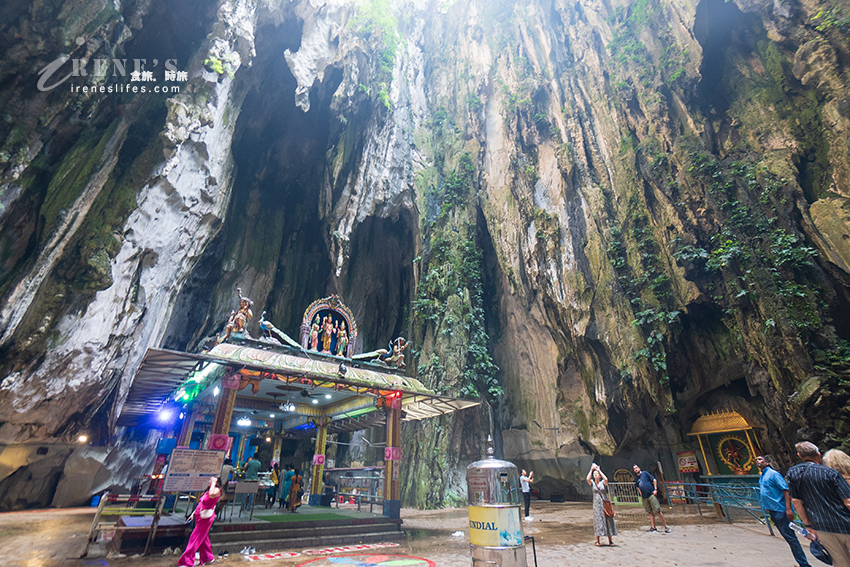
(204, 515)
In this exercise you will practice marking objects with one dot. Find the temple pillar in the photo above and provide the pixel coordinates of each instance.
(392, 460)
(185, 437)
(224, 410)
(319, 461)
(278, 443)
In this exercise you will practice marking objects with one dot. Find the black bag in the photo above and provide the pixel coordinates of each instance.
(820, 552)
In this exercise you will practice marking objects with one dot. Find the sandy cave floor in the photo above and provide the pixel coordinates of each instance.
(562, 532)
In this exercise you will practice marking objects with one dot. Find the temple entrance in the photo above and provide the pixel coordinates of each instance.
(278, 400)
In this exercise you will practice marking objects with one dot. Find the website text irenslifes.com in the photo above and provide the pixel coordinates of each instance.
(136, 89)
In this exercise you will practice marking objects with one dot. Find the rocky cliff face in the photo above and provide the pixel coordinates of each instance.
(600, 218)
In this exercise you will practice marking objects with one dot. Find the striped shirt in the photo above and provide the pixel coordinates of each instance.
(822, 491)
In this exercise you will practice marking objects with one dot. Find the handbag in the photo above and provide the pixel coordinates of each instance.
(608, 508)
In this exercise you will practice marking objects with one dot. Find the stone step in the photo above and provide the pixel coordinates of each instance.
(288, 531)
(278, 544)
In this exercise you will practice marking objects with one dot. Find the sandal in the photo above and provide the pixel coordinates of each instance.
(598, 544)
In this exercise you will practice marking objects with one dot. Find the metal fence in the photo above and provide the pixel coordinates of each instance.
(623, 493)
(723, 499)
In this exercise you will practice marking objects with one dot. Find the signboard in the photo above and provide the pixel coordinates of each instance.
(495, 526)
(687, 461)
(624, 475)
(392, 453)
(318, 460)
(190, 470)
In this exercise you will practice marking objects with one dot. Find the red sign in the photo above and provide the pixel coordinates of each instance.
(318, 460)
(392, 453)
(687, 461)
(218, 442)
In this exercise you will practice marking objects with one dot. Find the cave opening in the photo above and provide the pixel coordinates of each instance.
(378, 285)
(718, 26)
(703, 337)
(275, 232)
(180, 28)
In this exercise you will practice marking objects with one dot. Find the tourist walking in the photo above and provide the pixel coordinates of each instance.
(838, 460)
(821, 497)
(286, 485)
(776, 500)
(526, 480)
(272, 491)
(295, 491)
(648, 488)
(603, 524)
(204, 516)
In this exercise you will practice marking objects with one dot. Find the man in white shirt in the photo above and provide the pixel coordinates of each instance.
(526, 480)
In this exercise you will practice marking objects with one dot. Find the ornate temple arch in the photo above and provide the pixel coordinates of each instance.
(328, 326)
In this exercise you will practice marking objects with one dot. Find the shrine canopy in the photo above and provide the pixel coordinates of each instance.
(728, 443)
(280, 387)
(284, 384)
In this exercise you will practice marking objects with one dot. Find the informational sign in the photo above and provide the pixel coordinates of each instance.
(318, 460)
(687, 461)
(190, 470)
(675, 492)
(392, 453)
(247, 487)
(491, 526)
(478, 485)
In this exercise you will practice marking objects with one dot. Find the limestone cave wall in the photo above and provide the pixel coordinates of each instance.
(599, 217)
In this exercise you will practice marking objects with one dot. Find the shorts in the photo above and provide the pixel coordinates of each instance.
(651, 504)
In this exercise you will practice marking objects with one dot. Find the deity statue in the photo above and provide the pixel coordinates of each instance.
(341, 340)
(238, 319)
(314, 334)
(391, 357)
(396, 359)
(327, 334)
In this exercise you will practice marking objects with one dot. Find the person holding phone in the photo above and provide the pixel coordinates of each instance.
(527, 480)
(603, 524)
(204, 515)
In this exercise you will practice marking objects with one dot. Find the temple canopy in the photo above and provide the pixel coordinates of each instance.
(279, 383)
(721, 422)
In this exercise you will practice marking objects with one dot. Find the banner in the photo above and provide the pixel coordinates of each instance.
(491, 526)
(219, 442)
